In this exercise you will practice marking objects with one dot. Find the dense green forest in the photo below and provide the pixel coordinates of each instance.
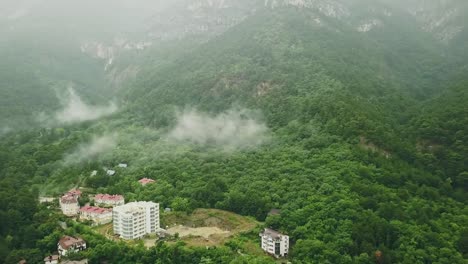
(359, 138)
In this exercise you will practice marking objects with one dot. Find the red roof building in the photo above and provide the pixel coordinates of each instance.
(107, 199)
(145, 181)
(68, 199)
(70, 244)
(69, 204)
(94, 210)
(74, 192)
(98, 215)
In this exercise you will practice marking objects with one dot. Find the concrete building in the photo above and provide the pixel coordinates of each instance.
(98, 215)
(69, 202)
(109, 200)
(275, 243)
(70, 244)
(69, 205)
(136, 219)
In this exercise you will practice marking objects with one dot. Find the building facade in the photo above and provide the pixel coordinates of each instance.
(69, 202)
(69, 205)
(136, 219)
(275, 243)
(109, 200)
(98, 215)
(70, 244)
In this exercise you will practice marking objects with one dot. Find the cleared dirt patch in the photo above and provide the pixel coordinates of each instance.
(205, 232)
(207, 227)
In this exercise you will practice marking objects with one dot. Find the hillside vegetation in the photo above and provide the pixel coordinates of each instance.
(358, 137)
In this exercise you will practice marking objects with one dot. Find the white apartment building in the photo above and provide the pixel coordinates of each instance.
(136, 219)
(275, 243)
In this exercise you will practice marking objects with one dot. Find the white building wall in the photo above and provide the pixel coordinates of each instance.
(268, 244)
(70, 209)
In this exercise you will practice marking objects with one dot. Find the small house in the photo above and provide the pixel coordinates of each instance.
(70, 244)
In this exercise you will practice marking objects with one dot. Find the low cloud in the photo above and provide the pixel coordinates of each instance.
(97, 147)
(75, 110)
(230, 130)
(5, 130)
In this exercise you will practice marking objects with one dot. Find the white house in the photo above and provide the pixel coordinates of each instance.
(123, 165)
(110, 172)
(275, 243)
(98, 215)
(70, 244)
(109, 200)
(136, 219)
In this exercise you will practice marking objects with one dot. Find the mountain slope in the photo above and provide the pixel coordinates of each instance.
(335, 114)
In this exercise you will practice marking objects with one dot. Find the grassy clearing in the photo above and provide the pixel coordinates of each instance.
(105, 230)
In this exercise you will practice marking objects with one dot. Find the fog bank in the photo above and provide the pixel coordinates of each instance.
(230, 130)
(93, 149)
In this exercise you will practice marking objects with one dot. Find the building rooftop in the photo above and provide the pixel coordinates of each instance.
(94, 210)
(271, 233)
(146, 181)
(133, 207)
(67, 241)
(108, 197)
(69, 199)
(74, 192)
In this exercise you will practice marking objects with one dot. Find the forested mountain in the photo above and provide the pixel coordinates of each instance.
(350, 117)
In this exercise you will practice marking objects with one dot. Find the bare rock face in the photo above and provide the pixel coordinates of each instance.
(445, 19)
(332, 8)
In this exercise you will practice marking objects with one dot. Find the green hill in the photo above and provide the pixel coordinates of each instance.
(349, 120)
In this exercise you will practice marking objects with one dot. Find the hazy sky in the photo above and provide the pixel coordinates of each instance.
(116, 15)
